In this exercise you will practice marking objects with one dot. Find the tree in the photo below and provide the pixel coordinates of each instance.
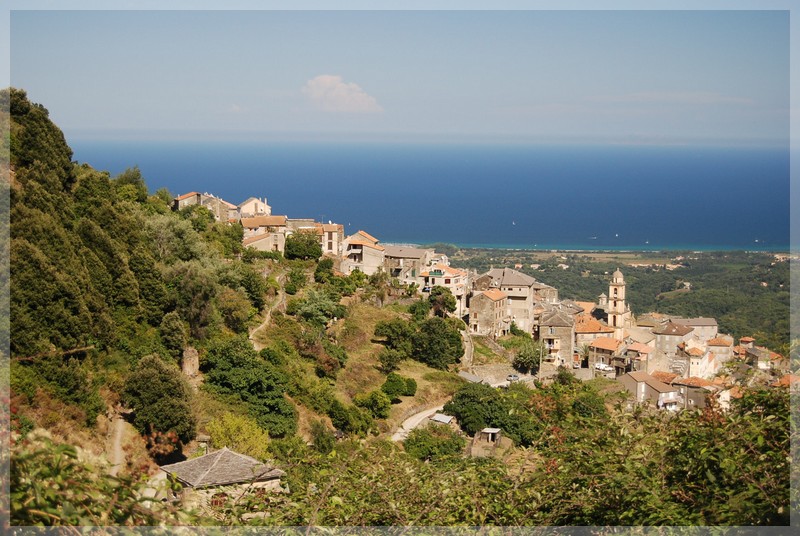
(240, 433)
(437, 343)
(173, 334)
(434, 442)
(419, 310)
(442, 301)
(376, 402)
(529, 357)
(390, 359)
(394, 386)
(160, 399)
(398, 334)
(303, 245)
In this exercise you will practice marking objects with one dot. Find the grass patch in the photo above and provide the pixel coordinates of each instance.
(483, 354)
(513, 342)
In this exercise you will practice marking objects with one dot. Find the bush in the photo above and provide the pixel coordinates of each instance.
(433, 442)
(239, 433)
(302, 245)
(321, 437)
(394, 386)
(411, 387)
(377, 403)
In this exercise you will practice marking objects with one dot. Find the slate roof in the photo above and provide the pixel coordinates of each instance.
(507, 277)
(671, 328)
(403, 252)
(221, 468)
(556, 319)
(696, 322)
(654, 384)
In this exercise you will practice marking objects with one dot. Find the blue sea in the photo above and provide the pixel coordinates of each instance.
(515, 196)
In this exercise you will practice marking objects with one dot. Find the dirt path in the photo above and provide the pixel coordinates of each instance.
(280, 304)
(114, 451)
(414, 421)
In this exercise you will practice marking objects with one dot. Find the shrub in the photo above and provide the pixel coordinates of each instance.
(433, 442)
(376, 402)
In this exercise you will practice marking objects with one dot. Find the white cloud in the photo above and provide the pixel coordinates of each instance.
(330, 93)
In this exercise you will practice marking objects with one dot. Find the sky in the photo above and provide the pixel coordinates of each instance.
(598, 76)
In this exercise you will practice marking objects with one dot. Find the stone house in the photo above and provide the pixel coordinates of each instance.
(702, 363)
(523, 292)
(556, 329)
(488, 313)
(647, 389)
(331, 238)
(722, 346)
(253, 207)
(221, 209)
(704, 329)
(638, 356)
(210, 479)
(265, 233)
(361, 251)
(694, 391)
(588, 328)
(603, 350)
(669, 335)
(763, 358)
(407, 263)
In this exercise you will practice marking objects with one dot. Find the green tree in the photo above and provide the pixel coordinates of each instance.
(376, 402)
(240, 433)
(394, 386)
(442, 301)
(160, 399)
(398, 334)
(437, 343)
(390, 359)
(434, 442)
(173, 334)
(529, 357)
(303, 245)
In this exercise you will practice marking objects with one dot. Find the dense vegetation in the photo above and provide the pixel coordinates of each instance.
(111, 287)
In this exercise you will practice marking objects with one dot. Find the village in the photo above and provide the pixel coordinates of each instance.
(669, 362)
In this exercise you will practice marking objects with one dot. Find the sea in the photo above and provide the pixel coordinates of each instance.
(566, 197)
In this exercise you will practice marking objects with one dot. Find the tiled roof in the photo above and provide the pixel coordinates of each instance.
(368, 236)
(606, 343)
(557, 319)
(507, 277)
(587, 306)
(746, 339)
(588, 324)
(446, 270)
(494, 294)
(786, 380)
(696, 322)
(186, 196)
(654, 384)
(263, 221)
(720, 341)
(366, 243)
(696, 352)
(406, 252)
(663, 376)
(639, 347)
(671, 328)
(220, 468)
(693, 381)
(257, 238)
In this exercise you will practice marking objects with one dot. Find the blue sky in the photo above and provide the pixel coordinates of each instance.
(713, 76)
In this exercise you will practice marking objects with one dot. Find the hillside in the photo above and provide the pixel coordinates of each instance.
(124, 309)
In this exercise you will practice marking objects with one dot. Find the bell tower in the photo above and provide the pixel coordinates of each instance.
(619, 314)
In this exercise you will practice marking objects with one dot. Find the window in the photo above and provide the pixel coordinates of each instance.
(446, 281)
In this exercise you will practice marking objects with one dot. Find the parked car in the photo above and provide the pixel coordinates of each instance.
(512, 378)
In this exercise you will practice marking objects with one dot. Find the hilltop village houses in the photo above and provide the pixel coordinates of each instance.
(665, 359)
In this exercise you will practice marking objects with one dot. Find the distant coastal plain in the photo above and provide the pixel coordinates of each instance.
(576, 198)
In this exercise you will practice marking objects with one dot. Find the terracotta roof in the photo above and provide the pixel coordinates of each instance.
(696, 352)
(587, 306)
(786, 380)
(746, 339)
(263, 221)
(446, 270)
(720, 341)
(736, 392)
(257, 238)
(368, 236)
(671, 328)
(185, 196)
(695, 322)
(372, 245)
(693, 381)
(494, 294)
(662, 376)
(639, 347)
(606, 343)
(588, 324)
(220, 468)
